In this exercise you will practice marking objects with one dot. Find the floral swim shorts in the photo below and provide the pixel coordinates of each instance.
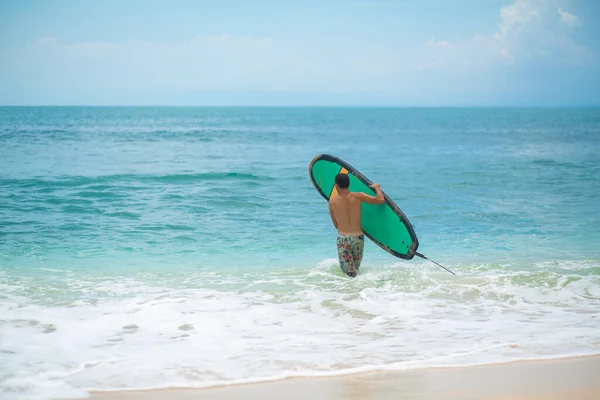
(350, 252)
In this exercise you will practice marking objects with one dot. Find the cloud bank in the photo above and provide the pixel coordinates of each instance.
(530, 33)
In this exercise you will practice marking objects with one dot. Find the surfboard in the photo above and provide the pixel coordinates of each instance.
(385, 224)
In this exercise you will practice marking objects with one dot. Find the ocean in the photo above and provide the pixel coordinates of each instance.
(158, 247)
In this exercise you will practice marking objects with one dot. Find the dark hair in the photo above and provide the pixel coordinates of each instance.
(342, 180)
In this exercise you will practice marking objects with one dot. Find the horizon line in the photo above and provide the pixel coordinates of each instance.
(299, 106)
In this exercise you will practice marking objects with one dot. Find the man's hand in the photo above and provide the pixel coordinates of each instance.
(378, 199)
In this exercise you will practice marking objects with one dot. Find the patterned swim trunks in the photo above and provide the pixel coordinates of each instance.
(350, 252)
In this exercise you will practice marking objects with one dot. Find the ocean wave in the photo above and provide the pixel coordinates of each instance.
(205, 328)
(102, 184)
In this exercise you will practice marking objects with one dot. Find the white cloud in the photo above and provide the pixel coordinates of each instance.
(530, 31)
(438, 43)
(46, 41)
(569, 19)
(521, 12)
(214, 62)
(202, 62)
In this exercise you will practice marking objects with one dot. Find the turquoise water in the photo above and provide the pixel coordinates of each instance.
(188, 244)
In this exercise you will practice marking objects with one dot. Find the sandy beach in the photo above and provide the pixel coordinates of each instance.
(572, 378)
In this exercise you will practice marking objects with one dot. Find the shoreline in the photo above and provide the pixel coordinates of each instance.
(559, 378)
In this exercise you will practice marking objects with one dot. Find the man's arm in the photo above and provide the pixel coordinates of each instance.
(332, 216)
(377, 199)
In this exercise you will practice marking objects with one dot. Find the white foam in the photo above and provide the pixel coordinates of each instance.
(213, 329)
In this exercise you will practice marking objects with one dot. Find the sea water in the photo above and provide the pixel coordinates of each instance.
(186, 247)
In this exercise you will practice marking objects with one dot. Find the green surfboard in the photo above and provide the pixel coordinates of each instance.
(384, 224)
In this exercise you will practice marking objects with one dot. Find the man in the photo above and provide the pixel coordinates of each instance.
(345, 211)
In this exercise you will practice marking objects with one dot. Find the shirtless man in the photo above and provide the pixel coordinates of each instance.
(345, 211)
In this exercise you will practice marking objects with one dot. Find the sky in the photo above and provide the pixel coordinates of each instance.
(300, 52)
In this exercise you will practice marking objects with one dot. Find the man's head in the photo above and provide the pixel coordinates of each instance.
(342, 181)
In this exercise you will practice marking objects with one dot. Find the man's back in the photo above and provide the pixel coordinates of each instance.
(346, 209)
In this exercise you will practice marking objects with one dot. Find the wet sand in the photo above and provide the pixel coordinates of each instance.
(572, 378)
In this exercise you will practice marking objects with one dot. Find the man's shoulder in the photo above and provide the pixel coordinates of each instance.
(335, 200)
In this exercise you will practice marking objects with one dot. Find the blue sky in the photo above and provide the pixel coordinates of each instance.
(309, 52)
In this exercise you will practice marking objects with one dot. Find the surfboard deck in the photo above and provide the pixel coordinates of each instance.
(384, 224)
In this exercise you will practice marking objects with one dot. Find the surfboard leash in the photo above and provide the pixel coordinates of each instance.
(422, 256)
